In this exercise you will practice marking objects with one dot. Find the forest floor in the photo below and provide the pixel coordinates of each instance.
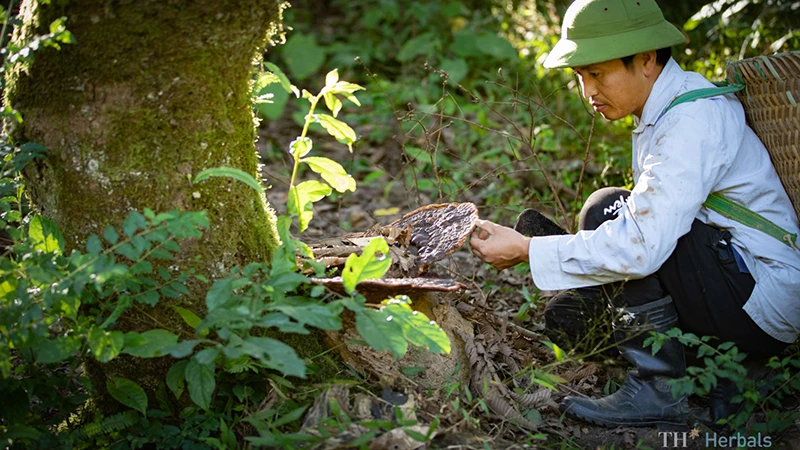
(491, 301)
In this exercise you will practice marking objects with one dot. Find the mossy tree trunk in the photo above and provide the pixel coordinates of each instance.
(152, 92)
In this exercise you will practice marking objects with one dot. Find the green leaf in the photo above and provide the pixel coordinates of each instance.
(273, 110)
(93, 245)
(343, 87)
(230, 172)
(219, 294)
(302, 198)
(558, 352)
(332, 172)
(279, 356)
(111, 235)
(548, 380)
(56, 350)
(287, 282)
(123, 303)
(302, 55)
(182, 349)
(416, 326)
(333, 103)
(368, 265)
(325, 316)
(189, 317)
(287, 86)
(207, 357)
(105, 345)
(152, 343)
(134, 221)
(493, 45)
(380, 332)
(300, 147)
(46, 235)
(420, 45)
(128, 393)
(200, 382)
(338, 129)
(456, 69)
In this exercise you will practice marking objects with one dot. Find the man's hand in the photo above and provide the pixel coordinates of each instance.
(500, 246)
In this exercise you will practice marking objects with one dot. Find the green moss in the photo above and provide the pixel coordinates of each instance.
(152, 93)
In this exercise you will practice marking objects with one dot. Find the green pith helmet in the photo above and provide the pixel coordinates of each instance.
(601, 30)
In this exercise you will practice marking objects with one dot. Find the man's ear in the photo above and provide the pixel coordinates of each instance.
(648, 62)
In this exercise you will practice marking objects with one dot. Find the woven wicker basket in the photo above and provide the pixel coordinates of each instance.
(771, 102)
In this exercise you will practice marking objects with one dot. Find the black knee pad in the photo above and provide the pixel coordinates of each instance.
(604, 204)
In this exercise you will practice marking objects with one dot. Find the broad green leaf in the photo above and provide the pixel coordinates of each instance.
(219, 294)
(287, 86)
(181, 349)
(287, 282)
(230, 172)
(7, 287)
(332, 172)
(368, 265)
(456, 69)
(276, 107)
(493, 45)
(381, 332)
(46, 235)
(300, 147)
(128, 393)
(105, 345)
(302, 55)
(420, 45)
(189, 317)
(200, 382)
(302, 198)
(56, 350)
(338, 129)
(325, 316)
(152, 343)
(279, 356)
(465, 44)
(416, 326)
(207, 357)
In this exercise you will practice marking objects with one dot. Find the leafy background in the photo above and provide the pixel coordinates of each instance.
(455, 107)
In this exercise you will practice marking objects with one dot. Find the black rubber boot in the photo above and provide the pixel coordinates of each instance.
(645, 398)
(532, 223)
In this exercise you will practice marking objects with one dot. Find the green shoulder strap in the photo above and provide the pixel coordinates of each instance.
(728, 208)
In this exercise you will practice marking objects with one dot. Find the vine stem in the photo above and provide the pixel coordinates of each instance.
(303, 134)
(5, 23)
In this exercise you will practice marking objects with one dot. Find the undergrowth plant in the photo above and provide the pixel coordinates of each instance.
(58, 310)
(765, 387)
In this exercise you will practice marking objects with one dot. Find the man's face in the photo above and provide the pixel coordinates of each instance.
(614, 90)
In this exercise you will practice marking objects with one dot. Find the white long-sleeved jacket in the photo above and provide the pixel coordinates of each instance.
(679, 158)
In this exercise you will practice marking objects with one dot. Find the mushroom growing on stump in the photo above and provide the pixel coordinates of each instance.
(416, 241)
